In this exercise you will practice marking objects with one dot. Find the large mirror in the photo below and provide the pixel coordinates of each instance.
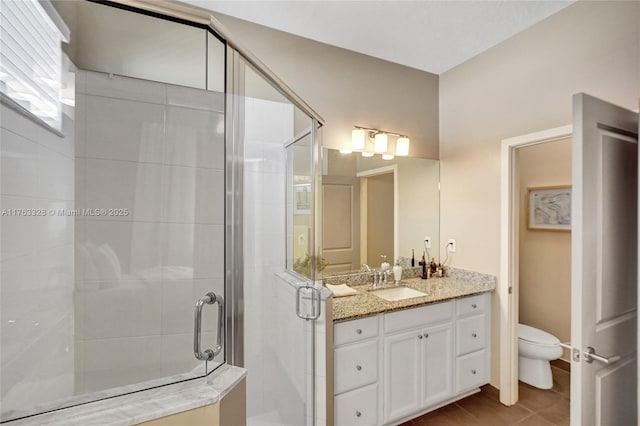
(373, 207)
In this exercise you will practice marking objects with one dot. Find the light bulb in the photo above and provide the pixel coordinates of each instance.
(380, 142)
(402, 146)
(387, 157)
(357, 139)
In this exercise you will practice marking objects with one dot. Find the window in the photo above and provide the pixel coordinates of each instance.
(31, 57)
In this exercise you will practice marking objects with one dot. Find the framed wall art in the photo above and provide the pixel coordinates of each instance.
(549, 208)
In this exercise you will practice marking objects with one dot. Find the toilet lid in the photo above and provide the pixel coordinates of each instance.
(535, 335)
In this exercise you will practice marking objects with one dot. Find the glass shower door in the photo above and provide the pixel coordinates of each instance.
(278, 340)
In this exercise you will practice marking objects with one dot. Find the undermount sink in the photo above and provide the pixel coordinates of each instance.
(394, 294)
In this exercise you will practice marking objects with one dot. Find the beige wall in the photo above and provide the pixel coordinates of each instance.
(349, 88)
(520, 86)
(545, 256)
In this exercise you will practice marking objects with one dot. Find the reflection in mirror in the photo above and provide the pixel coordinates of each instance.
(299, 205)
(373, 207)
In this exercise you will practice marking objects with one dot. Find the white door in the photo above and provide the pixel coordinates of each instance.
(402, 374)
(604, 264)
(437, 363)
(341, 216)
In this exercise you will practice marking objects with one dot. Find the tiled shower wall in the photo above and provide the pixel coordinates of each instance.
(157, 150)
(36, 291)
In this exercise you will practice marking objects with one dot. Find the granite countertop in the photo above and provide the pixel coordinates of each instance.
(460, 283)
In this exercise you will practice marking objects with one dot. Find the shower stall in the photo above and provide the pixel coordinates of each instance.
(172, 175)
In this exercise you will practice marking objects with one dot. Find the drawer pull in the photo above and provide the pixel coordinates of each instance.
(473, 371)
(474, 306)
(358, 414)
(358, 367)
(359, 331)
(474, 334)
(426, 335)
(419, 336)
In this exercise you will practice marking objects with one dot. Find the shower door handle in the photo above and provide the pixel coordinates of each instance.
(316, 305)
(208, 299)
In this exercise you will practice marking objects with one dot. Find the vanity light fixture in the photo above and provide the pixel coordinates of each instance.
(380, 141)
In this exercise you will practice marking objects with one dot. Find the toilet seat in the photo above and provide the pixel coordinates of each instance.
(536, 336)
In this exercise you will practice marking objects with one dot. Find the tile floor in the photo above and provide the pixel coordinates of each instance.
(535, 407)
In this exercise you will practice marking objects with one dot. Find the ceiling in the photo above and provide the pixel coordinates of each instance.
(432, 36)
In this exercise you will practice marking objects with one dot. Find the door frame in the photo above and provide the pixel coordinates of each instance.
(508, 285)
(396, 209)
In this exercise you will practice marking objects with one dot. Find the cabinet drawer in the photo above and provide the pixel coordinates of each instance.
(417, 317)
(355, 365)
(358, 407)
(470, 371)
(470, 334)
(354, 330)
(471, 305)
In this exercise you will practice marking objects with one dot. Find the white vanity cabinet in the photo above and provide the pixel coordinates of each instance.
(391, 367)
(418, 363)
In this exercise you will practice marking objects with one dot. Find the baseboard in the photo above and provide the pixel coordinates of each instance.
(562, 364)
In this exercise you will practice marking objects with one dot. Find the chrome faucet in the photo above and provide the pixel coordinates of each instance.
(385, 277)
(381, 278)
(377, 279)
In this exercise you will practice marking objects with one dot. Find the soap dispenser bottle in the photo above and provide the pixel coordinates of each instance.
(397, 272)
(384, 266)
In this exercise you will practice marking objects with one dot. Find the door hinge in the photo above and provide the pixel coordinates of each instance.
(510, 290)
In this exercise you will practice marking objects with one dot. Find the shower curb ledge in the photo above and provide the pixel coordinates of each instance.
(145, 405)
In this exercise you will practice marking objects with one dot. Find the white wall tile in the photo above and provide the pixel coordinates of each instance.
(177, 354)
(80, 112)
(117, 129)
(179, 197)
(30, 378)
(18, 238)
(123, 308)
(18, 124)
(195, 98)
(19, 165)
(136, 244)
(124, 184)
(119, 87)
(210, 196)
(194, 138)
(209, 251)
(55, 175)
(110, 363)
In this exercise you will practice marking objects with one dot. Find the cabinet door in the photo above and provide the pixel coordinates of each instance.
(437, 363)
(402, 374)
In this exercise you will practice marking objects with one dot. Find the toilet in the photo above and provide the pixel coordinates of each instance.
(535, 349)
